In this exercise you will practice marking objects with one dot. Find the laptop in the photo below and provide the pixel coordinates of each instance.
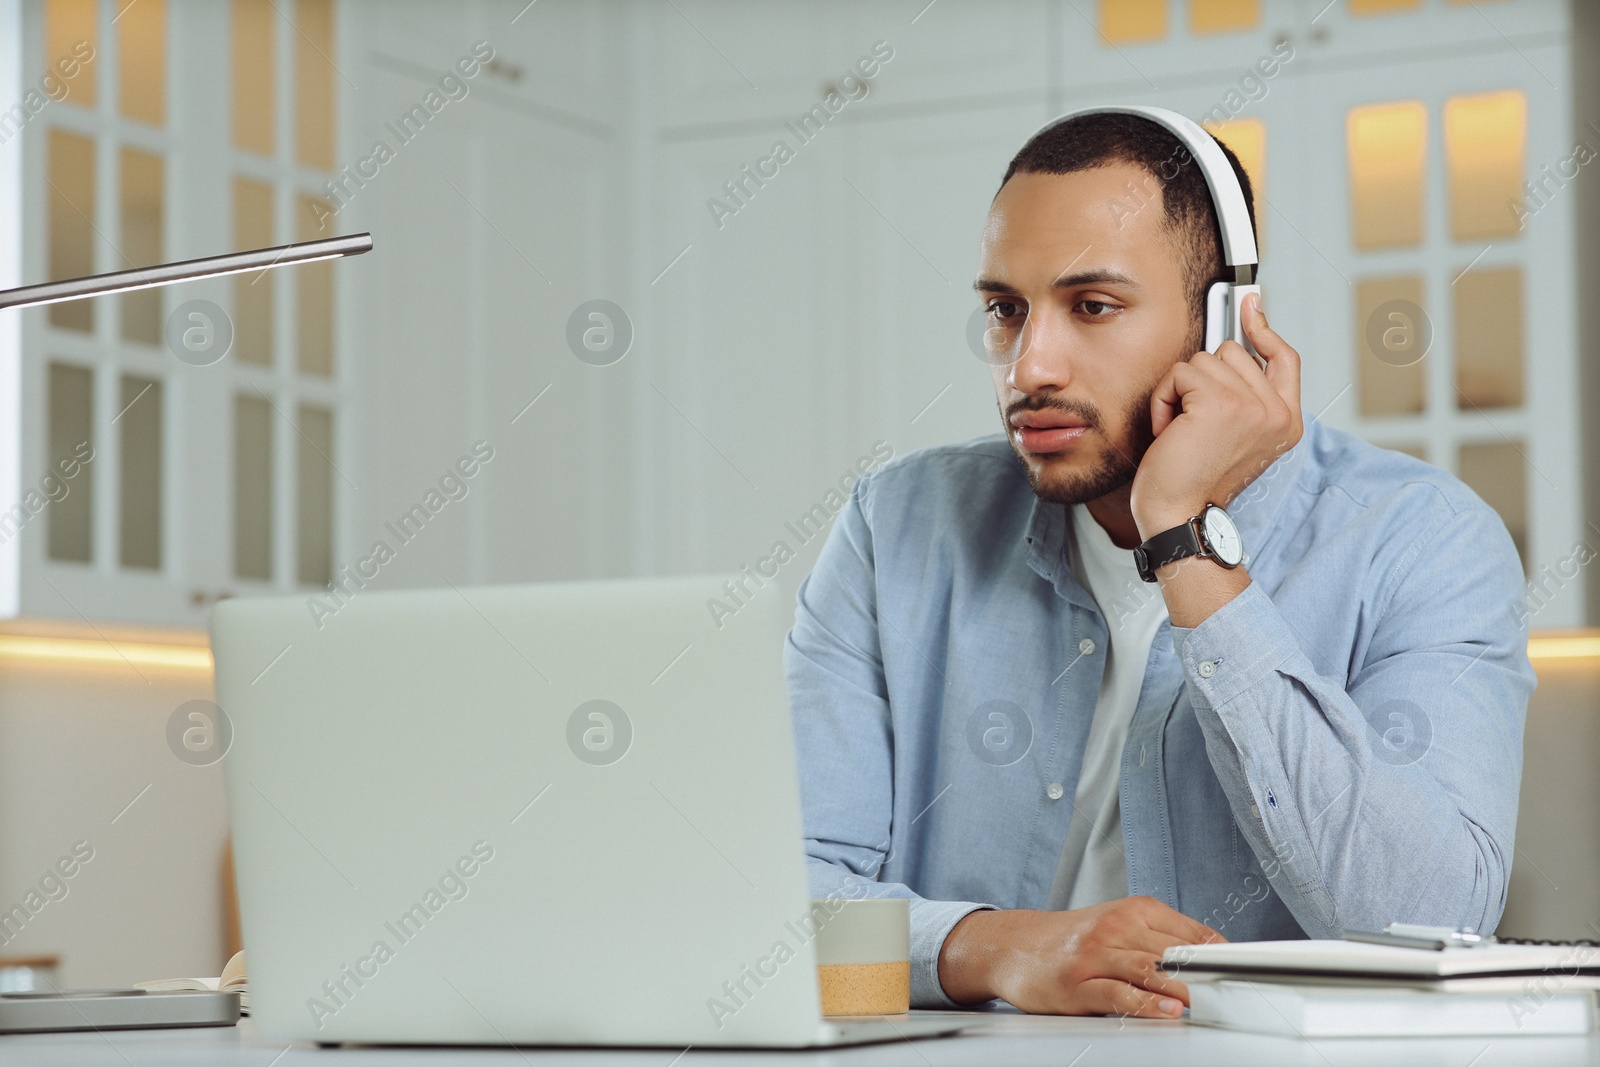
(547, 814)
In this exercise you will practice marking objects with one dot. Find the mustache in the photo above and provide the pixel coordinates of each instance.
(1087, 412)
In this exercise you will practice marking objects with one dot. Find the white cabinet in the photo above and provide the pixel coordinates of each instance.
(918, 196)
(788, 309)
(491, 228)
(817, 318)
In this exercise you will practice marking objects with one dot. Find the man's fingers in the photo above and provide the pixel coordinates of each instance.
(1176, 924)
(1166, 400)
(1170, 923)
(1283, 362)
(1261, 334)
(1110, 996)
(1238, 359)
(1232, 368)
(1141, 938)
(1143, 969)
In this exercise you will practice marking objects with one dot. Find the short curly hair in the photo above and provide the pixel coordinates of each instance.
(1106, 138)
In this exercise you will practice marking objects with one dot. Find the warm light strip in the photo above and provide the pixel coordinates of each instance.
(1563, 647)
(111, 653)
(191, 657)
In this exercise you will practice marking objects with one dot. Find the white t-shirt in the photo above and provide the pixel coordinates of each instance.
(1093, 868)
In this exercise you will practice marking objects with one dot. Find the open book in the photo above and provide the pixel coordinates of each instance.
(231, 980)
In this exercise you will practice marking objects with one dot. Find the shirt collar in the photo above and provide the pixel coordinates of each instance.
(1049, 527)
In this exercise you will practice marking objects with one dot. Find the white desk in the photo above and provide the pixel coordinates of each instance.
(998, 1038)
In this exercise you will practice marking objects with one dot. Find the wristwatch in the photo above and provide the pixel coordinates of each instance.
(1210, 535)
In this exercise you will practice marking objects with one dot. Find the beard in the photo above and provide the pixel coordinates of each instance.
(1053, 478)
(1111, 467)
(1063, 478)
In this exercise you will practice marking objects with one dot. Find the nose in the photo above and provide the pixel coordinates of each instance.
(1042, 359)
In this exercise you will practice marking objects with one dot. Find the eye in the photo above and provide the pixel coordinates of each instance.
(1003, 309)
(1099, 304)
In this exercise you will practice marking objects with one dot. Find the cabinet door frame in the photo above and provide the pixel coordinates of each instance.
(1545, 427)
(200, 162)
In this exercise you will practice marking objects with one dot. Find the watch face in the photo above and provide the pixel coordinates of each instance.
(1222, 536)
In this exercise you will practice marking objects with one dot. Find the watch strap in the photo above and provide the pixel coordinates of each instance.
(1180, 542)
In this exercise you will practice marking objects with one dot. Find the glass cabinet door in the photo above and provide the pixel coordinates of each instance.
(189, 433)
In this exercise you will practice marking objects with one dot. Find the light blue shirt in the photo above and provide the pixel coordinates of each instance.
(1339, 746)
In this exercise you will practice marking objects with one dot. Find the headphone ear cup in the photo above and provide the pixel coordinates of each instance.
(1216, 315)
(1224, 308)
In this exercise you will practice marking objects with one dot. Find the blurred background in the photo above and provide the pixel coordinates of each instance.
(678, 270)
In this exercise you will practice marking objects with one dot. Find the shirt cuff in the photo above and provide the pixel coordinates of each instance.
(931, 923)
(1235, 646)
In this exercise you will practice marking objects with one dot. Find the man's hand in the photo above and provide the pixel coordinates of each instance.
(1219, 422)
(1103, 960)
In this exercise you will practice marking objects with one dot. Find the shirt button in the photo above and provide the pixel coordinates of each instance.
(1086, 646)
(1256, 812)
(1054, 791)
(1207, 668)
(1143, 754)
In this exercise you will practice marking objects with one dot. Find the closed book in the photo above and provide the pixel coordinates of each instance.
(1309, 1010)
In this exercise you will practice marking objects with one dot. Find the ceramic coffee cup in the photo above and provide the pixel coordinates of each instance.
(863, 955)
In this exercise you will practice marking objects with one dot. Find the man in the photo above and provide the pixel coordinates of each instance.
(1068, 770)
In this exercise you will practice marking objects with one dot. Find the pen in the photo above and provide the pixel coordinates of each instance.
(1412, 935)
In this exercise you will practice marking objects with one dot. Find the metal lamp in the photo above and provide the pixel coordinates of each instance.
(123, 281)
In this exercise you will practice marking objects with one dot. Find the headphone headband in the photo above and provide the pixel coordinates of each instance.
(1227, 196)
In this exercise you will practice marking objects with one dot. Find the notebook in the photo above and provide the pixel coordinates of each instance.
(1360, 960)
(1327, 988)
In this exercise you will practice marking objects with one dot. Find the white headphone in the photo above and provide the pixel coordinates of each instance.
(1224, 300)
